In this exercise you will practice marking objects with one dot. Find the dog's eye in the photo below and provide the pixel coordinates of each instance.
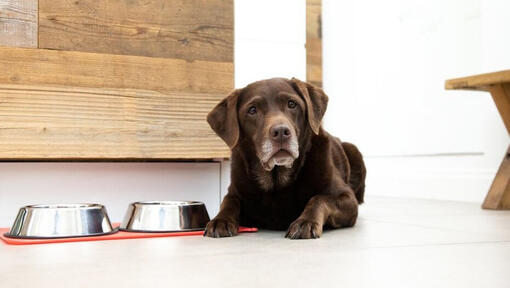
(291, 104)
(252, 110)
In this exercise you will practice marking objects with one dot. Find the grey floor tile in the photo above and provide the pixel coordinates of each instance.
(396, 243)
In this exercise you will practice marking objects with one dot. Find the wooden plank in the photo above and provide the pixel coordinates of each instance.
(50, 67)
(313, 2)
(314, 19)
(164, 117)
(18, 23)
(78, 123)
(499, 193)
(479, 82)
(184, 29)
(314, 42)
(314, 61)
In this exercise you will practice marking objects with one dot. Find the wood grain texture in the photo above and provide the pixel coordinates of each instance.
(184, 29)
(314, 42)
(501, 96)
(50, 67)
(78, 123)
(121, 107)
(479, 82)
(18, 23)
(498, 197)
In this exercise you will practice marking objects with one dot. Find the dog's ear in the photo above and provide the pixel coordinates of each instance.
(223, 119)
(316, 102)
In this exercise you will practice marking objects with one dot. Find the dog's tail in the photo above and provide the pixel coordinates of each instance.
(358, 170)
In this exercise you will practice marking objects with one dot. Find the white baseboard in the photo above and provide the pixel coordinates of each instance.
(458, 178)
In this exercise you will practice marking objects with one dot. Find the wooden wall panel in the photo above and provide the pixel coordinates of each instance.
(73, 123)
(314, 42)
(18, 23)
(41, 66)
(185, 29)
(59, 105)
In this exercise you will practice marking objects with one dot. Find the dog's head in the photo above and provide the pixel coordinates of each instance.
(273, 115)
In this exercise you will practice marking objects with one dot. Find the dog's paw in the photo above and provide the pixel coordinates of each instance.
(220, 227)
(304, 229)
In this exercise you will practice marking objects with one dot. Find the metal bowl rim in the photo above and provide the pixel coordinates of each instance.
(114, 230)
(159, 231)
(77, 206)
(167, 203)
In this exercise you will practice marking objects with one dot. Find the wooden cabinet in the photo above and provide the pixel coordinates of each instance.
(116, 80)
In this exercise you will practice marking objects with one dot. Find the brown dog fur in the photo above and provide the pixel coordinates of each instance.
(325, 184)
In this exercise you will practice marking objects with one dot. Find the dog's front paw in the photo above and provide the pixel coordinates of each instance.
(221, 227)
(304, 229)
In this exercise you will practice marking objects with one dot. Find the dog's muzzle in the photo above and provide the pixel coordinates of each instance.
(280, 148)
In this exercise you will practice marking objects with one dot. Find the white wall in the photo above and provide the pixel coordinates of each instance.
(114, 185)
(270, 37)
(385, 63)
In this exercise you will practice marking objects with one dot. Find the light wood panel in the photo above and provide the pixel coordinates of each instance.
(75, 123)
(58, 105)
(184, 29)
(479, 82)
(41, 66)
(314, 42)
(18, 23)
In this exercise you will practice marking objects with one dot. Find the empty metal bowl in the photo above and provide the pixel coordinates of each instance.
(165, 216)
(61, 221)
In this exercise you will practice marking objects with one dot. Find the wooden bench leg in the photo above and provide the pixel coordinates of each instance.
(499, 193)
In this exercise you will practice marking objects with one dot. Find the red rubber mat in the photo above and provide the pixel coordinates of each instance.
(115, 236)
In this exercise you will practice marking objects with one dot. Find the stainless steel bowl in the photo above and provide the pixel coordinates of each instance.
(61, 221)
(165, 216)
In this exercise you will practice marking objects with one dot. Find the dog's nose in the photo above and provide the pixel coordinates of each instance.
(280, 133)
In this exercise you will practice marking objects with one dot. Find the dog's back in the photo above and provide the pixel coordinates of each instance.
(358, 170)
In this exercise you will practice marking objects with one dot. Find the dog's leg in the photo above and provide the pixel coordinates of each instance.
(226, 223)
(334, 210)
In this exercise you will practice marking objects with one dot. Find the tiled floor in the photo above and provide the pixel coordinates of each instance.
(396, 243)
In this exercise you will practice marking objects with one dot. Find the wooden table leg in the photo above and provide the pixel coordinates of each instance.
(501, 96)
(499, 193)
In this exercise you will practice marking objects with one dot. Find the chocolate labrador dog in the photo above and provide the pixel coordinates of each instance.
(287, 172)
